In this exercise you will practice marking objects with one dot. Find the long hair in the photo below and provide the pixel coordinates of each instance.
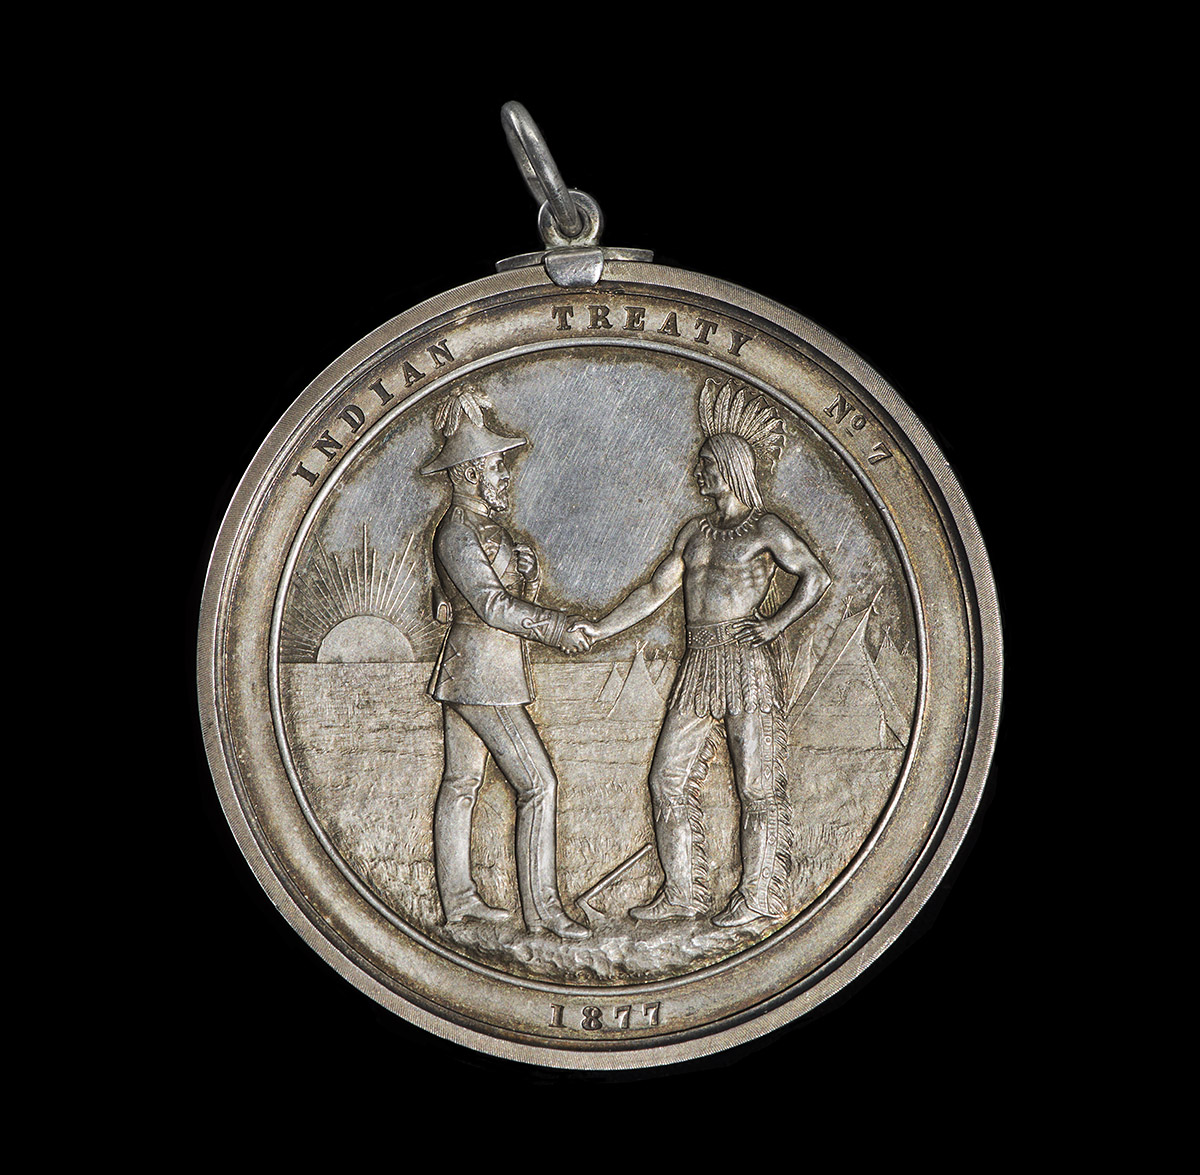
(735, 459)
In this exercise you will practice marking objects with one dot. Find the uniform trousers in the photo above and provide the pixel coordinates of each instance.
(508, 734)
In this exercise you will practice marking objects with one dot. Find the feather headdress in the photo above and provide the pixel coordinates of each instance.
(724, 409)
(465, 401)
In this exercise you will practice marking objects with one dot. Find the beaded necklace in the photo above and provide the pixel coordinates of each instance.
(724, 534)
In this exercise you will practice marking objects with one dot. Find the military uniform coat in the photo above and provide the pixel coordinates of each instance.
(483, 660)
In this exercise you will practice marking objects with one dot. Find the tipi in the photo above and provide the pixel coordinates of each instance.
(845, 703)
(639, 698)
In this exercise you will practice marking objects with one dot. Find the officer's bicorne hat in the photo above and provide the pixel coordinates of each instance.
(459, 419)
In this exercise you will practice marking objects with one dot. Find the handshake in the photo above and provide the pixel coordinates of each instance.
(580, 635)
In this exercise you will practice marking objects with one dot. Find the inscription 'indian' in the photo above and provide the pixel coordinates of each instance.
(353, 417)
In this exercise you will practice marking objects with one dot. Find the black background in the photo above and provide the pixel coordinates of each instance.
(889, 208)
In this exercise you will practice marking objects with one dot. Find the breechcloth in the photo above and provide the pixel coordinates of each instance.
(720, 676)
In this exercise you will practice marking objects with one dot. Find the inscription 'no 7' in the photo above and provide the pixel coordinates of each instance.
(840, 409)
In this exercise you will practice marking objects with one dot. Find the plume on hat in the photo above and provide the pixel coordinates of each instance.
(724, 409)
(465, 401)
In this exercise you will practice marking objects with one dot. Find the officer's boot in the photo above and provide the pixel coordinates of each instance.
(537, 863)
(452, 851)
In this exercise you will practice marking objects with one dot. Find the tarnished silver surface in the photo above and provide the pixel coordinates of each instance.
(324, 633)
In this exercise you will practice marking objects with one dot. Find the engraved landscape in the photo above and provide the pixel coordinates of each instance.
(598, 695)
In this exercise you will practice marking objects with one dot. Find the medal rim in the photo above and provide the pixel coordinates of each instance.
(936, 854)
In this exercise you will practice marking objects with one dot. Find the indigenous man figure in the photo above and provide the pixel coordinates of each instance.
(486, 587)
(731, 676)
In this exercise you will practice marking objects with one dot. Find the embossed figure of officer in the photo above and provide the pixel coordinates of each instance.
(486, 585)
(730, 680)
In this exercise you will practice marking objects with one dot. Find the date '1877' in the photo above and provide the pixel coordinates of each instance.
(592, 1018)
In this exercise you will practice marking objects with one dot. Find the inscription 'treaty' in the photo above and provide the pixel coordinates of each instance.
(596, 316)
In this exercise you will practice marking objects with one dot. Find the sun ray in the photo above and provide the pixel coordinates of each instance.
(331, 588)
(332, 577)
(371, 592)
(400, 594)
(364, 577)
(367, 572)
(346, 586)
(408, 571)
(428, 631)
(344, 570)
(387, 579)
(311, 618)
(320, 600)
(328, 596)
(407, 592)
(331, 591)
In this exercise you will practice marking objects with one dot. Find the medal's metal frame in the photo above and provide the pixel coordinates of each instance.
(985, 663)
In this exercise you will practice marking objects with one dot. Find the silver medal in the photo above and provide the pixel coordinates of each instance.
(600, 663)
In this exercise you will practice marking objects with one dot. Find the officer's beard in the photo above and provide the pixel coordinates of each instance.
(494, 497)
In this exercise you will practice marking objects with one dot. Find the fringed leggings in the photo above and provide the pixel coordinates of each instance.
(757, 744)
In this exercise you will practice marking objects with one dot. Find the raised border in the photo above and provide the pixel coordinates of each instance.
(927, 871)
